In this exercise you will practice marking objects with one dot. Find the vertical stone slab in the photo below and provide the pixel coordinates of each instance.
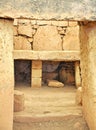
(88, 69)
(6, 75)
(36, 74)
(77, 74)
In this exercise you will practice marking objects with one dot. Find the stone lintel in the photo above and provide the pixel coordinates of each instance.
(47, 55)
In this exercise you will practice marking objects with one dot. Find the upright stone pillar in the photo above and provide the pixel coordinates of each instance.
(6, 75)
(88, 69)
(36, 74)
(77, 74)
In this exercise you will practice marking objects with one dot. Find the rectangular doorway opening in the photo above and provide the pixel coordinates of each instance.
(22, 73)
(60, 71)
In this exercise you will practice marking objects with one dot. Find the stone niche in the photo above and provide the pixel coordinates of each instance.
(63, 72)
(39, 37)
(22, 72)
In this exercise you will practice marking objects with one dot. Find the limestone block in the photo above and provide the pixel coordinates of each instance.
(30, 40)
(55, 23)
(36, 82)
(71, 39)
(47, 55)
(59, 28)
(63, 23)
(36, 64)
(21, 43)
(79, 96)
(33, 22)
(35, 26)
(47, 38)
(36, 73)
(6, 74)
(25, 30)
(18, 101)
(43, 22)
(73, 23)
(77, 74)
(24, 21)
(15, 32)
(55, 83)
(15, 23)
(62, 32)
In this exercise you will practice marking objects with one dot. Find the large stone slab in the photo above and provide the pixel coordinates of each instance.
(6, 75)
(47, 55)
(47, 38)
(21, 43)
(88, 65)
(71, 39)
(49, 9)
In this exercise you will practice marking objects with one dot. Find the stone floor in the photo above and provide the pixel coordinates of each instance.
(49, 105)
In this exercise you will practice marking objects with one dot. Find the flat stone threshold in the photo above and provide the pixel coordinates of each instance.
(45, 102)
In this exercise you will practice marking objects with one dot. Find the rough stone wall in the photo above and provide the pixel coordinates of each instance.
(43, 35)
(88, 65)
(6, 75)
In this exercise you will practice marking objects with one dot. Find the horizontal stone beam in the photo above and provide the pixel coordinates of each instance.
(47, 55)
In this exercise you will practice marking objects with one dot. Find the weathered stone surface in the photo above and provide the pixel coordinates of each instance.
(77, 74)
(79, 96)
(21, 43)
(71, 9)
(36, 73)
(6, 75)
(73, 23)
(71, 39)
(36, 82)
(55, 83)
(47, 55)
(15, 31)
(47, 38)
(43, 22)
(63, 23)
(18, 101)
(36, 64)
(25, 30)
(88, 63)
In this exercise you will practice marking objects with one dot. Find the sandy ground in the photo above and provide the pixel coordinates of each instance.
(49, 101)
(49, 109)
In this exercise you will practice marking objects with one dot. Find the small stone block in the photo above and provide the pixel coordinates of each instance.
(79, 96)
(36, 82)
(55, 23)
(18, 101)
(24, 21)
(73, 23)
(43, 22)
(63, 23)
(55, 83)
(36, 73)
(15, 23)
(36, 64)
(33, 22)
